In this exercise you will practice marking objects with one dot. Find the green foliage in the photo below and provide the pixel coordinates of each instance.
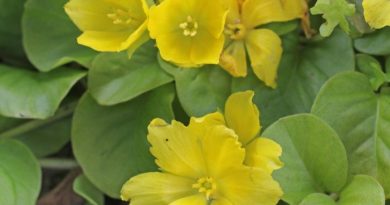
(362, 190)
(20, 175)
(304, 69)
(10, 29)
(27, 94)
(88, 191)
(373, 69)
(335, 13)
(376, 43)
(303, 138)
(110, 142)
(49, 36)
(200, 91)
(361, 118)
(43, 137)
(330, 111)
(114, 78)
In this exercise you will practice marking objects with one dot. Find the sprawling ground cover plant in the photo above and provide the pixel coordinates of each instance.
(197, 102)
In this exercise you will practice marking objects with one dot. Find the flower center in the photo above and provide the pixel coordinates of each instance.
(190, 27)
(119, 16)
(205, 185)
(236, 31)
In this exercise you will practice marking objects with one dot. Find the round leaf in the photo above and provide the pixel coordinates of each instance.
(110, 142)
(88, 191)
(362, 190)
(10, 29)
(303, 70)
(376, 43)
(43, 137)
(114, 78)
(318, 199)
(361, 118)
(200, 90)
(49, 36)
(314, 158)
(20, 174)
(26, 94)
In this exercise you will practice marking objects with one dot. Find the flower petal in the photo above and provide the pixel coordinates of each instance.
(205, 42)
(263, 153)
(377, 13)
(243, 116)
(156, 188)
(176, 149)
(89, 14)
(259, 12)
(233, 59)
(221, 150)
(103, 41)
(191, 200)
(206, 49)
(265, 51)
(234, 12)
(176, 49)
(212, 16)
(246, 185)
(221, 201)
(206, 121)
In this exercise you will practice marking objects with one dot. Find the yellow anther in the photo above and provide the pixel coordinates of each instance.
(190, 27)
(236, 31)
(206, 185)
(119, 16)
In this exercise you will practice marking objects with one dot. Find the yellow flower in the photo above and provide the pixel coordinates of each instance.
(110, 25)
(243, 117)
(200, 165)
(263, 45)
(377, 13)
(189, 33)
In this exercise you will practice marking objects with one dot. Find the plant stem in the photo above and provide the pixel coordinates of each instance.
(34, 124)
(58, 163)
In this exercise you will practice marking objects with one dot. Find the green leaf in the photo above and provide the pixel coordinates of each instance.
(318, 199)
(372, 68)
(361, 118)
(335, 13)
(376, 43)
(200, 90)
(27, 94)
(83, 187)
(282, 28)
(110, 142)
(114, 78)
(313, 155)
(357, 21)
(362, 190)
(49, 36)
(43, 137)
(10, 29)
(20, 174)
(303, 70)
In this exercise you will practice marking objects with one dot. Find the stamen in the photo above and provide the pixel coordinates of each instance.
(190, 27)
(206, 185)
(236, 31)
(119, 16)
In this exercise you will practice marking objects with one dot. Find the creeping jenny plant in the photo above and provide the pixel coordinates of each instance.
(263, 45)
(189, 33)
(110, 25)
(204, 163)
